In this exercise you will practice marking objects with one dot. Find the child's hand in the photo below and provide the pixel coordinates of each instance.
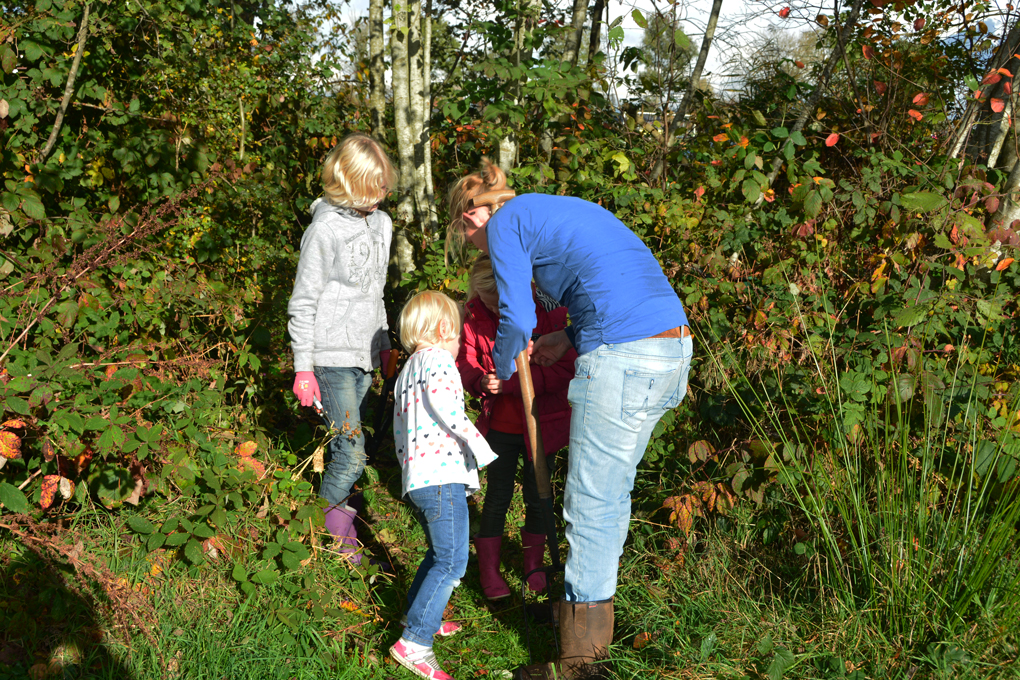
(491, 384)
(306, 388)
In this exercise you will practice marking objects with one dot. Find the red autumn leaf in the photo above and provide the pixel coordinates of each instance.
(869, 52)
(769, 195)
(798, 64)
(10, 445)
(921, 98)
(246, 449)
(13, 424)
(699, 192)
(919, 23)
(785, 12)
(1005, 263)
(1005, 72)
(880, 87)
(832, 139)
(641, 640)
(991, 79)
(916, 115)
(998, 105)
(1007, 88)
(721, 137)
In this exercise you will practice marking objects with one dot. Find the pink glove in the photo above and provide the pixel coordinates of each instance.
(306, 388)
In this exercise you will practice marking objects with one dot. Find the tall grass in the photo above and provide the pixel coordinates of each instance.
(908, 486)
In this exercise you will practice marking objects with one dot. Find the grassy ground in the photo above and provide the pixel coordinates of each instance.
(720, 606)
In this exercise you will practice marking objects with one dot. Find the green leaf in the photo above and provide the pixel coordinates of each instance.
(812, 204)
(112, 439)
(290, 560)
(758, 118)
(922, 201)
(33, 207)
(751, 190)
(140, 525)
(219, 517)
(113, 203)
(266, 576)
(156, 541)
(180, 538)
(780, 662)
(797, 138)
(17, 404)
(780, 132)
(13, 499)
(8, 58)
(239, 573)
(681, 40)
(193, 551)
(639, 18)
(67, 313)
(910, 316)
(942, 241)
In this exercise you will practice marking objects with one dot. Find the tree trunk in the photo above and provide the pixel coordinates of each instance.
(577, 23)
(596, 25)
(399, 46)
(376, 66)
(432, 218)
(526, 19)
(699, 67)
(820, 87)
(1002, 57)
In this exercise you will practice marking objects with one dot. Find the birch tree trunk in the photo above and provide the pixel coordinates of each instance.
(376, 65)
(399, 43)
(416, 96)
(529, 13)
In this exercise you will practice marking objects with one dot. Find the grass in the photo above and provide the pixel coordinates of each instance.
(724, 602)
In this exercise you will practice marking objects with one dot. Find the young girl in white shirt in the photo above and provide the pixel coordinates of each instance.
(440, 452)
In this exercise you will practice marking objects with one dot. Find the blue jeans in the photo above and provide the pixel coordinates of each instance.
(618, 394)
(344, 398)
(443, 514)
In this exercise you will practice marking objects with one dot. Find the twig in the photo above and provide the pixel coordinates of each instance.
(83, 33)
(30, 478)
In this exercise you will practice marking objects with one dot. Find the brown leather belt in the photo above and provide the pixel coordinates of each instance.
(678, 332)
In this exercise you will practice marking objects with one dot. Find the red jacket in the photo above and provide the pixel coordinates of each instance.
(475, 361)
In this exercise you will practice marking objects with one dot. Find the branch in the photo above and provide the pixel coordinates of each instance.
(83, 33)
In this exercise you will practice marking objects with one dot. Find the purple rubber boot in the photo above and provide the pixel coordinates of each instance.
(340, 523)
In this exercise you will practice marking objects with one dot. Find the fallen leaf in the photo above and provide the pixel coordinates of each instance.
(641, 640)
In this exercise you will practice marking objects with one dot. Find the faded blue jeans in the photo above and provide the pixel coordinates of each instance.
(618, 394)
(443, 514)
(344, 398)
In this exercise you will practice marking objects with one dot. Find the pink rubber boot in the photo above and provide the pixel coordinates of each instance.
(534, 552)
(493, 585)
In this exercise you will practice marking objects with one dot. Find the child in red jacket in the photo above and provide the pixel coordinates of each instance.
(502, 422)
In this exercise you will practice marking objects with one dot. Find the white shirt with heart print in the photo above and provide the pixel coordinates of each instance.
(436, 444)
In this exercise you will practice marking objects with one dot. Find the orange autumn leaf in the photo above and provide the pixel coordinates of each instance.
(13, 424)
(880, 87)
(743, 142)
(769, 195)
(991, 79)
(798, 64)
(1005, 263)
(868, 51)
(921, 98)
(997, 105)
(1004, 72)
(246, 449)
(721, 137)
(1007, 88)
(49, 490)
(698, 193)
(785, 12)
(10, 445)
(822, 20)
(916, 115)
(832, 139)
(641, 640)
(249, 463)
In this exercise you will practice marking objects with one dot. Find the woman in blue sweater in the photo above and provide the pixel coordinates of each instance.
(630, 330)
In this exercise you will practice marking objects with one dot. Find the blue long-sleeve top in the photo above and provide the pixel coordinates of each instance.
(580, 254)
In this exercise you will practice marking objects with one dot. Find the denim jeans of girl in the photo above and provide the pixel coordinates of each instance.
(500, 480)
(618, 394)
(443, 514)
(344, 398)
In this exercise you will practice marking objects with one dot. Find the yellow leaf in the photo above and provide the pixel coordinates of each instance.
(10, 445)
(246, 449)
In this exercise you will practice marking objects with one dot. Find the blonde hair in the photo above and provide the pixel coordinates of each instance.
(357, 173)
(489, 178)
(480, 278)
(421, 316)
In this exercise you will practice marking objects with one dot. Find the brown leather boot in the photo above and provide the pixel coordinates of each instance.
(586, 629)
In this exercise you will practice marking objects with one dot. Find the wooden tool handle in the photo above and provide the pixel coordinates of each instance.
(534, 431)
(391, 365)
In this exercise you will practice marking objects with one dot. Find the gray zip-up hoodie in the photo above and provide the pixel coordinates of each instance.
(337, 317)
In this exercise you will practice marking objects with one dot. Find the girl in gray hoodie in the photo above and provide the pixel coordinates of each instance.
(337, 322)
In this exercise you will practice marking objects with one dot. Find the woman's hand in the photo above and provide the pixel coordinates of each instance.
(306, 388)
(550, 348)
(490, 384)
